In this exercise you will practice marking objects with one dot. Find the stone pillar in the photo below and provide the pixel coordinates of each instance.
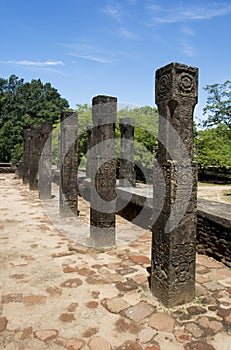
(59, 151)
(127, 175)
(45, 161)
(103, 172)
(26, 151)
(89, 146)
(34, 154)
(175, 187)
(19, 169)
(69, 164)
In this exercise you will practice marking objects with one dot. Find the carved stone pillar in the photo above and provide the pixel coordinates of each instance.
(34, 154)
(175, 187)
(69, 164)
(45, 161)
(127, 175)
(26, 151)
(103, 172)
(89, 146)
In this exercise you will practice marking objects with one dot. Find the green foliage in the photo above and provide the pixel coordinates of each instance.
(23, 105)
(213, 147)
(146, 124)
(146, 129)
(84, 119)
(218, 107)
(55, 143)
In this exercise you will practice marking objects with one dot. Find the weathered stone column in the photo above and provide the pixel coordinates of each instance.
(59, 151)
(175, 187)
(45, 161)
(26, 151)
(34, 154)
(19, 169)
(69, 164)
(103, 172)
(89, 146)
(127, 175)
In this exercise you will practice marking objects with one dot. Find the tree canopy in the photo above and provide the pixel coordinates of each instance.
(213, 147)
(213, 144)
(218, 107)
(145, 138)
(23, 105)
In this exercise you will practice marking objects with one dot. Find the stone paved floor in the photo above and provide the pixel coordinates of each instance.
(56, 294)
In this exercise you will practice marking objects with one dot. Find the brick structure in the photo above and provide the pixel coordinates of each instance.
(127, 175)
(175, 187)
(103, 172)
(45, 162)
(68, 164)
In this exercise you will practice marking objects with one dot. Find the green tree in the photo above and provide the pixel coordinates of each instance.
(146, 129)
(23, 105)
(213, 147)
(218, 107)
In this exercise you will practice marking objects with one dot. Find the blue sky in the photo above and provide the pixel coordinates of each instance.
(113, 47)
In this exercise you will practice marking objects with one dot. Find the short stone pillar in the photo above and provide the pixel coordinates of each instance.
(19, 169)
(89, 146)
(26, 151)
(175, 187)
(103, 172)
(45, 162)
(127, 175)
(68, 188)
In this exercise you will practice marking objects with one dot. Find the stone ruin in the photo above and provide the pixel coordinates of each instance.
(103, 171)
(68, 163)
(175, 187)
(37, 159)
(172, 278)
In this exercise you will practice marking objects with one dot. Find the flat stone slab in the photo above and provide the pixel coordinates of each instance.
(139, 312)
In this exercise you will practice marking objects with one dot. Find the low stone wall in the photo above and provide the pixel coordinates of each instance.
(214, 219)
(214, 230)
(6, 168)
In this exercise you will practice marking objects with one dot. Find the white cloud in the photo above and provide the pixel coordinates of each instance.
(187, 49)
(113, 10)
(127, 34)
(132, 2)
(92, 58)
(187, 31)
(186, 14)
(35, 63)
(87, 52)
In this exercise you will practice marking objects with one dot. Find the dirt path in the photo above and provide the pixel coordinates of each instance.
(56, 294)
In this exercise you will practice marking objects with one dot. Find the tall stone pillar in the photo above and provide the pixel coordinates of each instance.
(59, 151)
(127, 175)
(69, 164)
(103, 172)
(45, 161)
(175, 187)
(89, 146)
(26, 151)
(34, 154)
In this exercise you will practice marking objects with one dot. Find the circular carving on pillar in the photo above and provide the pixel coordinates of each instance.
(163, 85)
(186, 82)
